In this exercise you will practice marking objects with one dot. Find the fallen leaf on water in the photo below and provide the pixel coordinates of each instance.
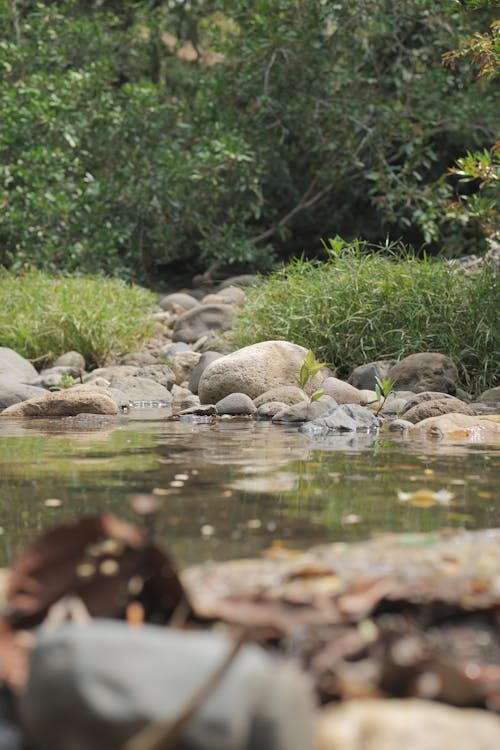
(426, 498)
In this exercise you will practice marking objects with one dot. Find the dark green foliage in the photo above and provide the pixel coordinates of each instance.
(288, 122)
(360, 306)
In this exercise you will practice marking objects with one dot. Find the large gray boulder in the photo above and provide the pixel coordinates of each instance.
(256, 369)
(64, 404)
(364, 376)
(195, 323)
(19, 368)
(236, 404)
(96, 685)
(12, 392)
(426, 371)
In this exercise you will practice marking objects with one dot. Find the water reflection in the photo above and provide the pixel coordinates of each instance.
(232, 488)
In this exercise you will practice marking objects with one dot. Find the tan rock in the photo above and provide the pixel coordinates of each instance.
(371, 724)
(183, 364)
(64, 404)
(342, 392)
(454, 425)
(434, 408)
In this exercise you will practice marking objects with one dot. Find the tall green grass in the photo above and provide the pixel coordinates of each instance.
(42, 316)
(362, 305)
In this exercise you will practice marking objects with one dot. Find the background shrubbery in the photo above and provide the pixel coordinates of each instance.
(361, 305)
(44, 316)
(140, 136)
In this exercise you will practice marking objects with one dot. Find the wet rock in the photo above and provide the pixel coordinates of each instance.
(344, 418)
(410, 724)
(64, 404)
(206, 358)
(194, 323)
(399, 425)
(17, 367)
(12, 392)
(426, 371)
(432, 404)
(94, 686)
(236, 404)
(141, 389)
(71, 359)
(459, 426)
(342, 392)
(364, 376)
(269, 409)
(306, 411)
(287, 394)
(204, 410)
(178, 301)
(256, 369)
(183, 364)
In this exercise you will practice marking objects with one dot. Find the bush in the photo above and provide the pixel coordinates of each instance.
(360, 306)
(43, 316)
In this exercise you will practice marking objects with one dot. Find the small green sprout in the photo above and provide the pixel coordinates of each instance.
(383, 389)
(310, 368)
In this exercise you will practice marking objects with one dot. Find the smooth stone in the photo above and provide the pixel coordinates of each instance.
(399, 425)
(287, 394)
(120, 398)
(183, 364)
(235, 404)
(411, 724)
(160, 372)
(206, 358)
(458, 426)
(52, 376)
(170, 350)
(71, 359)
(66, 403)
(141, 389)
(364, 376)
(177, 301)
(344, 418)
(93, 686)
(229, 295)
(492, 395)
(13, 392)
(112, 371)
(256, 369)
(425, 371)
(17, 367)
(193, 324)
(269, 409)
(139, 359)
(435, 408)
(341, 391)
(306, 411)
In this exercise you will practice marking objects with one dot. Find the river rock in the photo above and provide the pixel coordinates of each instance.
(139, 359)
(12, 392)
(183, 364)
(491, 396)
(344, 418)
(369, 724)
(287, 394)
(94, 686)
(67, 403)
(236, 404)
(194, 323)
(141, 389)
(306, 411)
(178, 301)
(426, 371)
(17, 367)
(459, 426)
(364, 376)
(160, 372)
(170, 350)
(71, 359)
(432, 404)
(245, 279)
(256, 369)
(113, 371)
(269, 409)
(52, 376)
(205, 359)
(229, 295)
(342, 392)
(399, 425)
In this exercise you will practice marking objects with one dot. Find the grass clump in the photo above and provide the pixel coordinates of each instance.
(42, 316)
(362, 305)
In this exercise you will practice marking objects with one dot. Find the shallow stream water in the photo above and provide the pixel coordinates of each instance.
(234, 488)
